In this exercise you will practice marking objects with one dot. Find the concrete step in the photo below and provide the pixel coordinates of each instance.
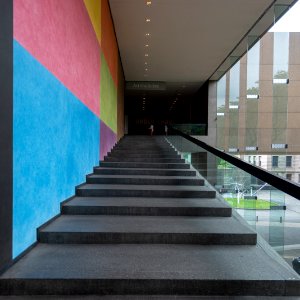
(143, 155)
(142, 145)
(144, 159)
(144, 151)
(144, 165)
(91, 229)
(145, 269)
(146, 206)
(161, 191)
(144, 180)
(145, 297)
(152, 172)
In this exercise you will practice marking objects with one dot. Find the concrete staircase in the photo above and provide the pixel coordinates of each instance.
(145, 224)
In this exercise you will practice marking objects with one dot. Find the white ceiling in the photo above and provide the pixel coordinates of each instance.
(188, 39)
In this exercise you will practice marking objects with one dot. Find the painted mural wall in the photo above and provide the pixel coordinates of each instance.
(68, 104)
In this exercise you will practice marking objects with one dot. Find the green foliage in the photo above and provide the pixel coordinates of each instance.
(223, 164)
(253, 91)
(250, 203)
(281, 75)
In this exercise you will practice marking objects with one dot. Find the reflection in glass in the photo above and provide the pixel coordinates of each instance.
(261, 205)
(234, 95)
(281, 55)
(253, 59)
(234, 87)
(280, 90)
(221, 97)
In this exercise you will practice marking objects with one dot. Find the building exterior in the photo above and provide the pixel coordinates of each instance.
(258, 108)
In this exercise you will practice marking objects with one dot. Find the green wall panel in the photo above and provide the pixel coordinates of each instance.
(108, 97)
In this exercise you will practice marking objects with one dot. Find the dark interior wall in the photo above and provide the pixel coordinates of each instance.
(6, 121)
(199, 105)
(160, 111)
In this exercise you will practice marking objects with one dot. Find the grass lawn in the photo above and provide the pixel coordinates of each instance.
(250, 204)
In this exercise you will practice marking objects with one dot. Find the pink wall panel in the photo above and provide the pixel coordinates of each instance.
(59, 34)
(108, 139)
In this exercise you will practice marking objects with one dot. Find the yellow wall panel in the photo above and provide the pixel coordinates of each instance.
(94, 10)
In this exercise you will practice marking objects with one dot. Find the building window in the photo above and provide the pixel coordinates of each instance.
(259, 161)
(253, 57)
(274, 161)
(281, 55)
(254, 160)
(299, 178)
(289, 176)
(249, 159)
(288, 162)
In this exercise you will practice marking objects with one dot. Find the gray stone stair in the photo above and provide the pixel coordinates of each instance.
(144, 223)
(146, 206)
(122, 190)
(92, 229)
(138, 171)
(144, 165)
(120, 269)
(143, 180)
(143, 155)
(145, 159)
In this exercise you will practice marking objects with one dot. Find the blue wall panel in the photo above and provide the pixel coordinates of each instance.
(56, 143)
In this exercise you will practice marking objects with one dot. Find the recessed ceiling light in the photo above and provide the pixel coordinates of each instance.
(144, 98)
(146, 45)
(146, 54)
(148, 3)
(146, 63)
(148, 20)
(146, 69)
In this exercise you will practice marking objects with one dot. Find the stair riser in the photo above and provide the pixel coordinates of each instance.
(145, 238)
(154, 172)
(142, 287)
(144, 193)
(144, 151)
(144, 165)
(145, 181)
(145, 159)
(136, 155)
(146, 211)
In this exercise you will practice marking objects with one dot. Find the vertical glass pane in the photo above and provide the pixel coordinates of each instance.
(277, 214)
(221, 97)
(221, 94)
(280, 89)
(234, 87)
(234, 94)
(281, 55)
(253, 59)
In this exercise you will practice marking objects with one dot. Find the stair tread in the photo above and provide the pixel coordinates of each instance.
(146, 169)
(94, 186)
(148, 163)
(145, 177)
(147, 202)
(160, 262)
(146, 224)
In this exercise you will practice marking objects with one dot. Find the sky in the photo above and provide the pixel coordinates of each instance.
(290, 22)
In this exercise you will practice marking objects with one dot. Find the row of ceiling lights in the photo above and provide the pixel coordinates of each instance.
(146, 64)
(146, 67)
(178, 94)
(144, 102)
